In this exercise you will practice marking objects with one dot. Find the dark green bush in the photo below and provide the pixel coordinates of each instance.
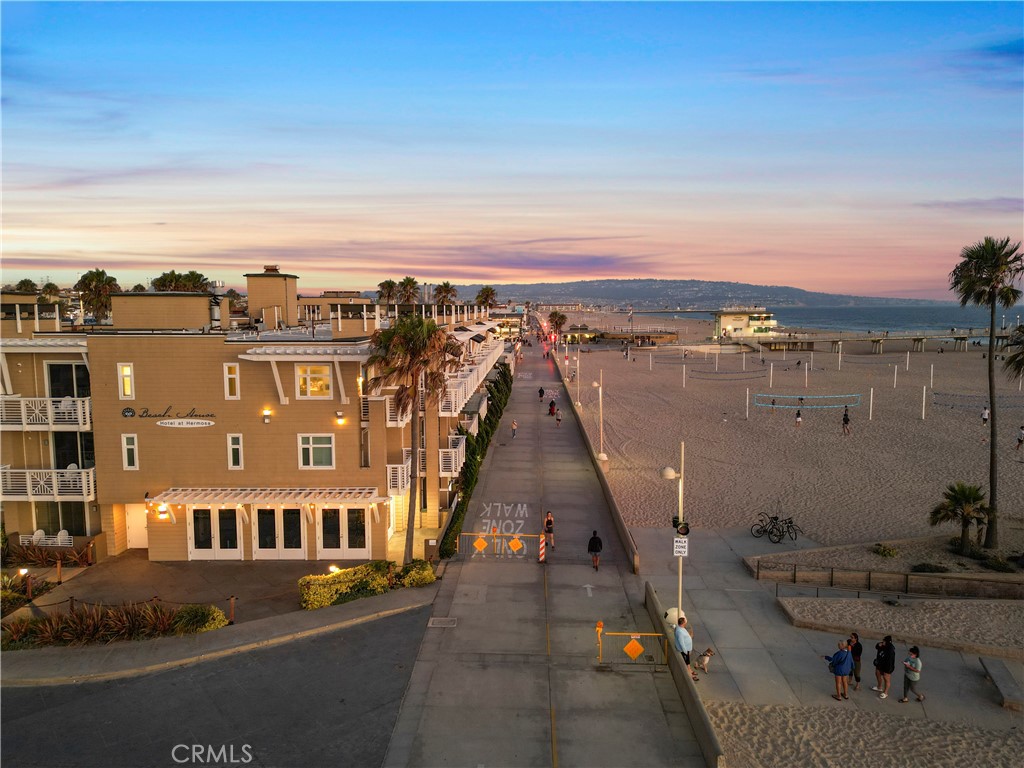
(885, 550)
(929, 568)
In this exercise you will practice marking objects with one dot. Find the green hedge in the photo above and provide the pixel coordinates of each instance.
(373, 578)
(499, 392)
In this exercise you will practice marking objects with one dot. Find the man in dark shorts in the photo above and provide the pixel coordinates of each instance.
(594, 548)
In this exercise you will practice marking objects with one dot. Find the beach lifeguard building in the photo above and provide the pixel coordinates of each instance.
(744, 322)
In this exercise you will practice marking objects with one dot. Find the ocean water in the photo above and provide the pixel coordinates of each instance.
(894, 318)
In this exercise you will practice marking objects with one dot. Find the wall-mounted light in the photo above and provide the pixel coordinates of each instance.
(266, 415)
(162, 513)
(333, 568)
(339, 417)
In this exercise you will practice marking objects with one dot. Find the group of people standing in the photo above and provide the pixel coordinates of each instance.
(845, 663)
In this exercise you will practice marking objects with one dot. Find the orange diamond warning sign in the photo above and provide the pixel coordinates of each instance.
(515, 545)
(633, 649)
(480, 544)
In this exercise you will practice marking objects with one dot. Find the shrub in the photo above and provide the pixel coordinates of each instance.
(84, 625)
(418, 573)
(123, 622)
(17, 634)
(973, 551)
(194, 618)
(998, 564)
(884, 550)
(48, 630)
(928, 568)
(320, 590)
(157, 619)
(10, 601)
(46, 557)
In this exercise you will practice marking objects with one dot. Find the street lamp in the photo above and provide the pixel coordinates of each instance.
(579, 373)
(601, 455)
(667, 473)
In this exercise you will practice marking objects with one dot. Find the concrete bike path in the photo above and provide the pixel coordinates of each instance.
(515, 680)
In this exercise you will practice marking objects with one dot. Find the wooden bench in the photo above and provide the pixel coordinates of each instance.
(997, 671)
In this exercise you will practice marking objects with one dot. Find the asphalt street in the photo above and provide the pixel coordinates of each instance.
(327, 701)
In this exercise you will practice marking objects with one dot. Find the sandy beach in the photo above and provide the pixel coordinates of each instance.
(847, 492)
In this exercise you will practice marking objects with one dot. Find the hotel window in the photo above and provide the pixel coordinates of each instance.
(364, 447)
(313, 381)
(232, 383)
(316, 451)
(130, 451)
(235, 452)
(126, 381)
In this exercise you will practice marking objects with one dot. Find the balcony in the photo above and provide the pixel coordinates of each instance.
(43, 414)
(398, 477)
(453, 457)
(462, 386)
(47, 484)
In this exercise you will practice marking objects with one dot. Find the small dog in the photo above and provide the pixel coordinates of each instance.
(703, 659)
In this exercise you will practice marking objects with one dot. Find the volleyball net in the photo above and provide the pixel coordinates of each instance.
(964, 402)
(806, 401)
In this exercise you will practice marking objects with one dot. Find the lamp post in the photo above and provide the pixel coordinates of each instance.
(579, 373)
(668, 473)
(601, 455)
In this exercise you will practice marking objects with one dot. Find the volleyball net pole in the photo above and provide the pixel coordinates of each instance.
(871, 402)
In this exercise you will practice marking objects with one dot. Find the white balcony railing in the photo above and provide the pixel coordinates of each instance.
(453, 457)
(45, 414)
(407, 454)
(398, 477)
(394, 419)
(47, 484)
(462, 386)
(471, 423)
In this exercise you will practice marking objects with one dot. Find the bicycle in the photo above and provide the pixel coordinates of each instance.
(791, 528)
(769, 524)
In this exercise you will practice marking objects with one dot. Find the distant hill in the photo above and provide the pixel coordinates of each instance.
(682, 294)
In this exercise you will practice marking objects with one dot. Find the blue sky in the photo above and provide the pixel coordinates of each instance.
(840, 147)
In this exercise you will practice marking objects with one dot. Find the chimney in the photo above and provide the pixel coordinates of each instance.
(271, 269)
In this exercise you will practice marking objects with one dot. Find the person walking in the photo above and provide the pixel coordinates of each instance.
(840, 664)
(846, 420)
(885, 663)
(799, 418)
(856, 651)
(540, 392)
(1020, 438)
(683, 639)
(558, 417)
(549, 528)
(515, 426)
(912, 674)
(985, 413)
(551, 408)
(594, 547)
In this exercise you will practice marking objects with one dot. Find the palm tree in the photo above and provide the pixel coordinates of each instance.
(189, 282)
(26, 286)
(1014, 364)
(964, 504)
(985, 276)
(387, 292)
(415, 356)
(487, 297)
(50, 290)
(445, 293)
(95, 288)
(558, 321)
(408, 291)
(138, 288)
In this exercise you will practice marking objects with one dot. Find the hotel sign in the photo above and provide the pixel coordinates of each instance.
(190, 419)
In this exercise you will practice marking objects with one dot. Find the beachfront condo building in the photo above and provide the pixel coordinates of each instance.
(178, 429)
(744, 322)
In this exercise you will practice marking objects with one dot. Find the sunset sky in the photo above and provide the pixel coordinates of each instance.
(848, 148)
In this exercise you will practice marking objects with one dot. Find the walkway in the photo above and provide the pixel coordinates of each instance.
(516, 681)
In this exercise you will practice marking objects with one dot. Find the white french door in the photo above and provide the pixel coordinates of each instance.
(342, 533)
(279, 534)
(213, 534)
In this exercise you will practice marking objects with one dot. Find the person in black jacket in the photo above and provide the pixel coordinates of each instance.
(885, 663)
(856, 649)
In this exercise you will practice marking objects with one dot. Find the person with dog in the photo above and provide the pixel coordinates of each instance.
(840, 664)
(856, 651)
(684, 644)
(912, 674)
(885, 663)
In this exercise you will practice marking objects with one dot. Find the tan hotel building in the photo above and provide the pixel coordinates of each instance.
(170, 431)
